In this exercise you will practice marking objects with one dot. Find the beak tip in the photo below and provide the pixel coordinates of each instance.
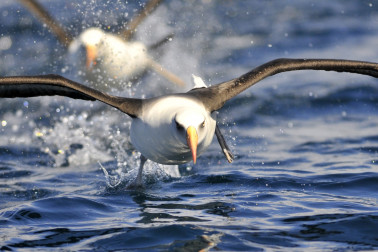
(192, 139)
(91, 56)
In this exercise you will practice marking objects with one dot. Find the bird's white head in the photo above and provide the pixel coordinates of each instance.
(91, 39)
(173, 130)
(190, 129)
(92, 36)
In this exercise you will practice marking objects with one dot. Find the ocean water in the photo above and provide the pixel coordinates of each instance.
(305, 176)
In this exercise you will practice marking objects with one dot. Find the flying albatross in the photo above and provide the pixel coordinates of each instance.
(176, 128)
(109, 56)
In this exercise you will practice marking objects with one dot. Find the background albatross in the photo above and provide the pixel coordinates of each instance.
(108, 56)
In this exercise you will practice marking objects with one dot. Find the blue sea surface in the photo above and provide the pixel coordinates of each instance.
(305, 176)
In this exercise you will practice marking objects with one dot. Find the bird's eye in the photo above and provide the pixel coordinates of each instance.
(203, 124)
(179, 126)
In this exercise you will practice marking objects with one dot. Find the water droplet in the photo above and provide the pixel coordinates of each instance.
(5, 43)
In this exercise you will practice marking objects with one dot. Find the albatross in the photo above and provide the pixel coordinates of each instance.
(109, 56)
(175, 128)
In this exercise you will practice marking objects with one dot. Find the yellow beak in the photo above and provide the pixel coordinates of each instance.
(91, 56)
(192, 139)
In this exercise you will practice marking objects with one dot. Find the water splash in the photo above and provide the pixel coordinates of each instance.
(153, 173)
(127, 165)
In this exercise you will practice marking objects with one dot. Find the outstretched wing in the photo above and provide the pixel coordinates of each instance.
(38, 10)
(131, 27)
(65, 38)
(49, 85)
(215, 96)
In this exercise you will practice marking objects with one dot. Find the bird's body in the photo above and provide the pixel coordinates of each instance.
(109, 57)
(122, 60)
(160, 125)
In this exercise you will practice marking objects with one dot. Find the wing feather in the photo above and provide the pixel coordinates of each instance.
(38, 10)
(215, 96)
(49, 85)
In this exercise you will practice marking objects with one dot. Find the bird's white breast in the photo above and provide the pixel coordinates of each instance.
(122, 59)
